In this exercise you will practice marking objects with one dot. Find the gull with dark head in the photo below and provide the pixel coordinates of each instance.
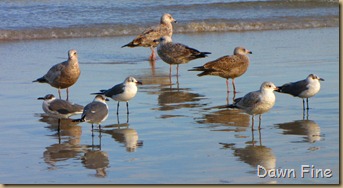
(63, 75)
(95, 112)
(230, 66)
(59, 108)
(257, 102)
(177, 53)
(147, 37)
(122, 92)
(306, 88)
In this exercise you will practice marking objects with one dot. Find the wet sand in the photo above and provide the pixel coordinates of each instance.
(174, 133)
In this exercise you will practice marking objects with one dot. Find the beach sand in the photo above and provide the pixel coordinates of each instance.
(178, 125)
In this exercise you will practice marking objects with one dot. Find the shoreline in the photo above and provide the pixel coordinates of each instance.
(76, 33)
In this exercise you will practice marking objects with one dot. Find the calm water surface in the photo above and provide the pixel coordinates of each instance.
(175, 133)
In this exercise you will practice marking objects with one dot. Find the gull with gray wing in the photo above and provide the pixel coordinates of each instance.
(122, 92)
(306, 88)
(95, 112)
(59, 108)
(257, 102)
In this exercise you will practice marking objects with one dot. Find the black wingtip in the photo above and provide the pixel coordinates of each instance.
(40, 80)
(99, 93)
(279, 89)
(78, 120)
(201, 68)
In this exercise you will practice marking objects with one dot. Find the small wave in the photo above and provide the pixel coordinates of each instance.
(191, 27)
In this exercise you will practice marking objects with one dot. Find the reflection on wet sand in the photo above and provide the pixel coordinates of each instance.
(55, 123)
(228, 117)
(98, 160)
(125, 135)
(153, 76)
(254, 154)
(94, 158)
(176, 98)
(307, 128)
(68, 145)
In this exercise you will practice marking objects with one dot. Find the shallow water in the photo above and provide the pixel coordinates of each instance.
(174, 134)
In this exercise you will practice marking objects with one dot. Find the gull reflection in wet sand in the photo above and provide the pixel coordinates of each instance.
(68, 146)
(170, 96)
(96, 159)
(233, 120)
(307, 128)
(125, 135)
(176, 98)
(254, 154)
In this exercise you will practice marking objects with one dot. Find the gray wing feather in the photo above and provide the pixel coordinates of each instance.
(249, 100)
(64, 107)
(115, 90)
(294, 88)
(94, 111)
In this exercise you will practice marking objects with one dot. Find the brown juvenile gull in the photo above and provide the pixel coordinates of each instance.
(257, 102)
(147, 37)
(177, 53)
(306, 88)
(95, 112)
(63, 75)
(230, 66)
(122, 92)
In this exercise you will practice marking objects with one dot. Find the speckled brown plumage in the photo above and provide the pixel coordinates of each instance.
(147, 37)
(63, 75)
(230, 66)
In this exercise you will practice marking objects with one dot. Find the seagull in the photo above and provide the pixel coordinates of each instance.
(95, 112)
(63, 75)
(177, 53)
(230, 66)
(306, 88)
(59, 108)
(147, 37)
(122, 92)
(257, 102)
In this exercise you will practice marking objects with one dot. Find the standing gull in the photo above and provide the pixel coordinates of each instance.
(122, 92)
(303, 89)
(95, 112)
(147, 37)
(257, 102)
(177, 53)
(230, 66)
(59, 108)
(63, 75)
